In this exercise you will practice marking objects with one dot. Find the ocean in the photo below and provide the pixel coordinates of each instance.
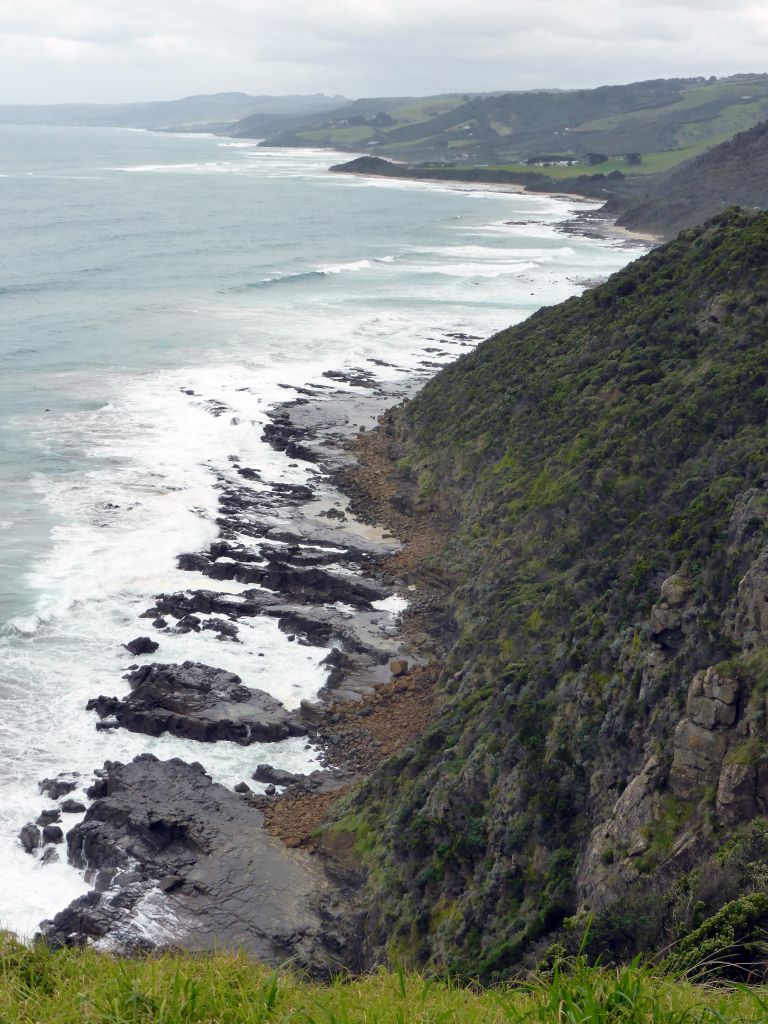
(137, 268)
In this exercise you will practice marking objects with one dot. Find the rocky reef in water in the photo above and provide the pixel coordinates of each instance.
(175, 859)
(583, 506)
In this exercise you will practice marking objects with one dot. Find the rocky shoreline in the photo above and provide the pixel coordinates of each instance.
(175, 859)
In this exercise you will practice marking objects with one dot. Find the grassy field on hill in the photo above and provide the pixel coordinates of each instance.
(651, 163)
(678, 117)
(86, 987)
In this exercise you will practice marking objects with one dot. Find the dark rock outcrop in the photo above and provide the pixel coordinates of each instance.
(164, 835)
(71, 806)
(141, 645)
(49, 817)
(30, 837)
(277, 776)
(59, 786)
(200, 703)
(53, 834)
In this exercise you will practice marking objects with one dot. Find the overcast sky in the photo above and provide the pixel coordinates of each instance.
(120, 50)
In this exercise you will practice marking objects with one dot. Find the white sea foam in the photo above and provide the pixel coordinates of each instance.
(142, 461)
(340, 268)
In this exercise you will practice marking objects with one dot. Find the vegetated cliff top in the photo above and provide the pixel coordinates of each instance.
(668, 118)
(733, 173)
(604, 734)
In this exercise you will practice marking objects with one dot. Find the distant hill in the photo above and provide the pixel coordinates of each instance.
(663, 121)
(735, 172)
(353, 124)
(218, 109)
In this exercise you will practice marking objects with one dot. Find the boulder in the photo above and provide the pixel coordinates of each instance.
(711, 699)
(277, 776)
(226, 630)
(188, 624)
(60, 786)
(398, 666)
(141, 645)
(675, 590)
(72, 806)
(49, 817)
(30, 837)
(53, 834)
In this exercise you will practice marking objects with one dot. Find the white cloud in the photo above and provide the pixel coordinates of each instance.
(58, 49)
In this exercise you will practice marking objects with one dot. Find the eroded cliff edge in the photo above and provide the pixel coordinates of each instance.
(602, 473)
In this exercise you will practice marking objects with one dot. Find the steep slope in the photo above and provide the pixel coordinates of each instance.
(735, 172)
(605, 467)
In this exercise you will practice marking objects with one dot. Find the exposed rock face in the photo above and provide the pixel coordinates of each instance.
(749, 516)
(165, 839)
(751, 619)
(673, 617)
(624, 836)
(200, 703)
(702, 747)
(162, 837)
(742, 792)
(702, 738)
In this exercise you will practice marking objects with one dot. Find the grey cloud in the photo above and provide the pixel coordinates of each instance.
(59, 49)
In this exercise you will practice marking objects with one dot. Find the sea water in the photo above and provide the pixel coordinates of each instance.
(137, 268)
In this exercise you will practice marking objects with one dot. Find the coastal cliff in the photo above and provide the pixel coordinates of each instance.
(599, 762)
(735, 172)
(574, 754)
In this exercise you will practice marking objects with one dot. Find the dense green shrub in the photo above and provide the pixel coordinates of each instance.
(610, 438)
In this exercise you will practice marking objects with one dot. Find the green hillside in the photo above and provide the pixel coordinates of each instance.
(675, 116)
(331, 129)
(735, 172)
(603, 752)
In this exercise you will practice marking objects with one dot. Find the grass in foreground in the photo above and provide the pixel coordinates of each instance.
(84, 987)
